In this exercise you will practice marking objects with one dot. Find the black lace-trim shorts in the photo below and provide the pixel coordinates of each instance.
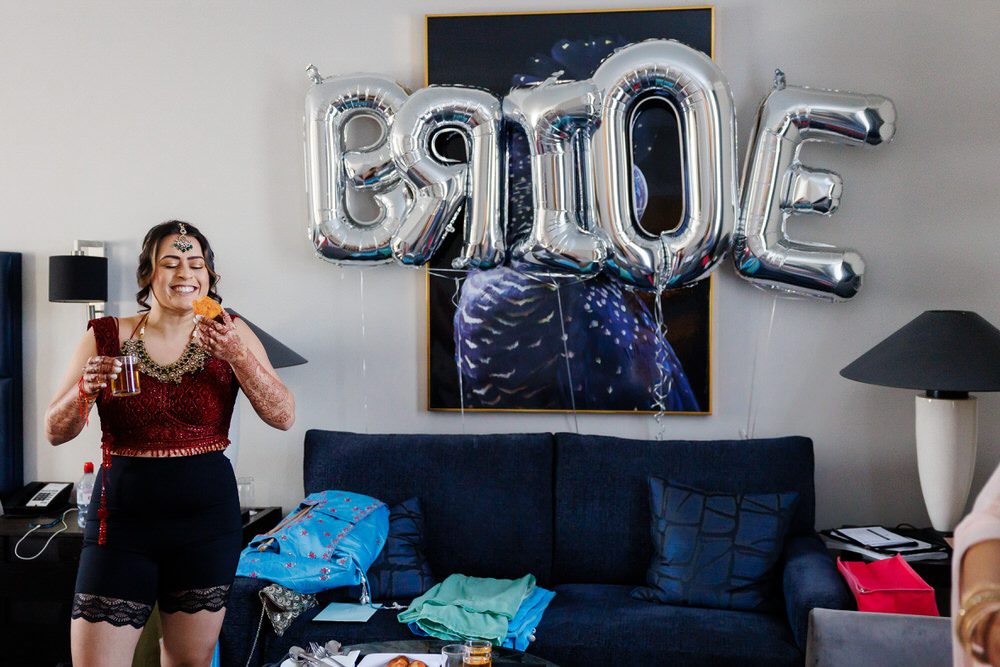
(174, 535)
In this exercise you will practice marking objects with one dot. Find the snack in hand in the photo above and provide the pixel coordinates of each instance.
(398, 661)
(207, 307)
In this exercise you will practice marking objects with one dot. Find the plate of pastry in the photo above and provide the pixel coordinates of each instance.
(402, 660)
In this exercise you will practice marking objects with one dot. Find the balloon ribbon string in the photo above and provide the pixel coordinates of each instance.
(752, 425)
(569, 370)
(458, 349)
(364, 349)
(666, 380)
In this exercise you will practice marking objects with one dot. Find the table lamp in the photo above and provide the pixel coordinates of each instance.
(81, 277)
(279, 354)
(947, 354)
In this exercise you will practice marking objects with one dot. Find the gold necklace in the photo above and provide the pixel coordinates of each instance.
(191, 360)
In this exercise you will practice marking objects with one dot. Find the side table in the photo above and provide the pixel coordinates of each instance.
(936, 572)
(36, 596)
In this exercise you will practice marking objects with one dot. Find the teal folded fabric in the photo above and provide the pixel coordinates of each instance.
(463, 607)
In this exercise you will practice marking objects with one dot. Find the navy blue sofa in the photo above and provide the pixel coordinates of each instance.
(573, 510)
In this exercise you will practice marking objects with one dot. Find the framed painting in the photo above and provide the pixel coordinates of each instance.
(500, 340)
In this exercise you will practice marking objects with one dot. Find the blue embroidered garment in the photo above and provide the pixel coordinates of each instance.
(329, 540)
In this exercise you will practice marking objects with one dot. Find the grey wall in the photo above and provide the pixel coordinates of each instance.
(118, 115)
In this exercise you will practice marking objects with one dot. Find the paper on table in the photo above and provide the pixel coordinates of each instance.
(347, 612)
(347, 660)
(333, 661)
(876, 536)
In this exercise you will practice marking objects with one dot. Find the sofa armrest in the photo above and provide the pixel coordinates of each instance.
(810, 579)
(239, 628)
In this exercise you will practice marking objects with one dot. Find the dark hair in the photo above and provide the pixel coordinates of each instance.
(147, 258)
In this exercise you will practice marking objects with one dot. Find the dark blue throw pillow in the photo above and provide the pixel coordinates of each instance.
(713, 549)
(401, 570)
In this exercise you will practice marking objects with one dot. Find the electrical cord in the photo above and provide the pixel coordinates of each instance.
(36, 526)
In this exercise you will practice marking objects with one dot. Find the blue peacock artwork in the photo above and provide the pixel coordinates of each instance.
(525, 344)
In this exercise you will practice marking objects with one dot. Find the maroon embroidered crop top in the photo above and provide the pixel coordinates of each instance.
(166, 418)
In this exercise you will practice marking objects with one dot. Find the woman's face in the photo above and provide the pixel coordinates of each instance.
(179, 277)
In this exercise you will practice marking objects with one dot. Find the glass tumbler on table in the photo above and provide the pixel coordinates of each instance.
(244, 487)
(454, 655)
(478, 652)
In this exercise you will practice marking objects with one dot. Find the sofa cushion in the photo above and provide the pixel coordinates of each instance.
(593, 624)
(715, 549)
(401, 571)
(602, 495)
(487, 499)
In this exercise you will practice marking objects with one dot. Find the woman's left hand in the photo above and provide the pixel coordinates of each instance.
(220, 339)
(992, 642)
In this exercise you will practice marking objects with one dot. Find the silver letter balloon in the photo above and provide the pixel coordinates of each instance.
(444, 188)
(332, 170)
(697, 90)
(579, 134)
(556, 117)
(777, 186)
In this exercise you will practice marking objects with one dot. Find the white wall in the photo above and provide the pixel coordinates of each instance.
(117, 115)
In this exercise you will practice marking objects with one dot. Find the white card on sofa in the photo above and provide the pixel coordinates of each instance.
(347, 612)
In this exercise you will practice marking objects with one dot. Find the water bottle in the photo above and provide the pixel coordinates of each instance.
(84, 490)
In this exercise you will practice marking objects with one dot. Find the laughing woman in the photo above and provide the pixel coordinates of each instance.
(165, 522)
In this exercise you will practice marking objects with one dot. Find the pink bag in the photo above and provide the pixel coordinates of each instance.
(890, 586)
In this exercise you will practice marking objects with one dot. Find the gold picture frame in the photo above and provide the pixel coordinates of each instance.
(692, 25)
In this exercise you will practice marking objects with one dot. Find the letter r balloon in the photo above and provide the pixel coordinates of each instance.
(443, 188)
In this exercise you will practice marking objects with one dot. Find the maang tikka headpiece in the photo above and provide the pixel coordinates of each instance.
(182, 242)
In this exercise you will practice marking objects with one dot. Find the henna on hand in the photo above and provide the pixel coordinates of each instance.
(270, 398)
(220, 339)
(63, 420)
(98, 373)
(67, 416)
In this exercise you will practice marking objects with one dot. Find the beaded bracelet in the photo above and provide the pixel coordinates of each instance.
(983, 605)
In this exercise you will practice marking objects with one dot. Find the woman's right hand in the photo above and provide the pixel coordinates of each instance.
(98, 372)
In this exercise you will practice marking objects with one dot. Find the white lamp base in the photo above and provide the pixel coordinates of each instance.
(946, 456)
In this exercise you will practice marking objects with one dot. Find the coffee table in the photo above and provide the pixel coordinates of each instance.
(501, 656)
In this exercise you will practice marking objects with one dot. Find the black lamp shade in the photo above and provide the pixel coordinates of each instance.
(278, 353)
(942, 351)
(78, 279)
